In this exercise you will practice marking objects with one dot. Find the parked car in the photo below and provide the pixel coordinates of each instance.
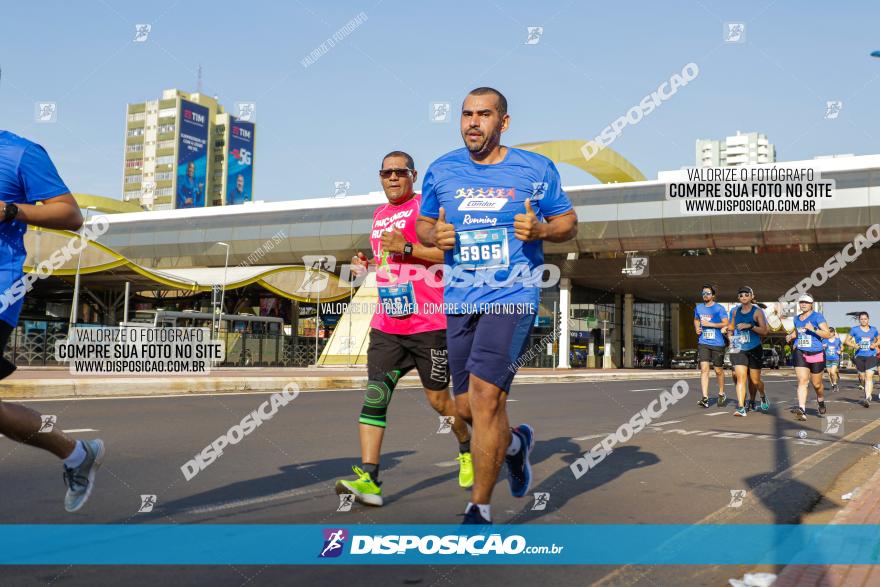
(771, 359)
(686, 359)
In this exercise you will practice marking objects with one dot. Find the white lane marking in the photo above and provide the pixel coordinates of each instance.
(649, 389)
(667, 422)
(253, 501)
(592, 436)
(270, 392)
(192, 395)
(716, 414)
(446, 464)
(512, 400)
(72, 430)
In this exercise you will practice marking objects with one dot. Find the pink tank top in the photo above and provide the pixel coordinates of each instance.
(404, 279)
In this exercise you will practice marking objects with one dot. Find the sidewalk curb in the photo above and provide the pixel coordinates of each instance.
(129, 386)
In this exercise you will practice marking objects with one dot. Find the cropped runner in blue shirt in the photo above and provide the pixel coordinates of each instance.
(747, 328)
(864, 338)
(710, 321)
(832, 360)
(27, 176)
(490, 207)
(808, 357)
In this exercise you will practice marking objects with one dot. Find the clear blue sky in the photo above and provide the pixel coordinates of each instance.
(371, 93)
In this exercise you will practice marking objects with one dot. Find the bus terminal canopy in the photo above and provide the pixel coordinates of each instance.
(55, 252)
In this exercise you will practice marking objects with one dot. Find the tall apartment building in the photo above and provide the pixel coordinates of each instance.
(749, 148)
(180, 151)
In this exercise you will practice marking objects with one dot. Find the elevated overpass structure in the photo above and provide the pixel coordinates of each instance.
(769, 252)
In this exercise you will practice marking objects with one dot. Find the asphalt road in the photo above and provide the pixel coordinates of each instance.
(681, 470)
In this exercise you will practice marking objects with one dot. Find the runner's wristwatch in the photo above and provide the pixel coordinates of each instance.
(407, 248)
(10, 211)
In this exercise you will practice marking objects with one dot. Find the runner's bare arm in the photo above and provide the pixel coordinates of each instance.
(559, 229)
(394, 242)
(60, 212)
(432, 254)
(436, 232)
(761, 329)
(425, 230)
(823, 331)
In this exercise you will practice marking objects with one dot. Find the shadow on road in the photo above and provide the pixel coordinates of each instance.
(290, 478)
(562, 485)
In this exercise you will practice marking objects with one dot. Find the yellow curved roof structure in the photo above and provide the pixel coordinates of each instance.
(294, 282)
(607, 165)
(105, 205)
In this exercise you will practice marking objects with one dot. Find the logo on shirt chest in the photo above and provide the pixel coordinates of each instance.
(470, 192)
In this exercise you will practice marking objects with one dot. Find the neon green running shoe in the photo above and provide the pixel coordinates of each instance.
(364, 489)
(465, 469)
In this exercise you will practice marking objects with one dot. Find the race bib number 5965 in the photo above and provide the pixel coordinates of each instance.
(482, 249)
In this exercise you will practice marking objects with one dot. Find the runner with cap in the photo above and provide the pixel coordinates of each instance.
(808, 357)
(710, 320)
(865, 339)
(747, 327)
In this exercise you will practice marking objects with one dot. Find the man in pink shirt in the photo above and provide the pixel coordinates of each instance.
(408, 329)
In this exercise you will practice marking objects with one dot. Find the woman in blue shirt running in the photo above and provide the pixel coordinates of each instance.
(865, 339)
(808, 356)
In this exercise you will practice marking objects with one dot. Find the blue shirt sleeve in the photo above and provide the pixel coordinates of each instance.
(720, 313)
(38, 175)
(554, 202)
(697, 312)
(430, 204)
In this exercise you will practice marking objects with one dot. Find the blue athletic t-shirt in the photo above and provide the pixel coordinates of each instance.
(832, 348)
(27, 176)
(745, 340)
(864, 338)
(480, 201)
(714, 314)
(806, 340)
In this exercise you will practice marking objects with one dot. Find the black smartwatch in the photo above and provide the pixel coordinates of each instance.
(10, 211)
(407, 248)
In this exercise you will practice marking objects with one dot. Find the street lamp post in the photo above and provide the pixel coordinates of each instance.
(321, 262)
(74, 311)
(222, 287)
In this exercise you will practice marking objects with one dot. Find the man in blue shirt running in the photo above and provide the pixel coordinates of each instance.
(710, 322)
(832, 348)
(27, 176)
(490, 207)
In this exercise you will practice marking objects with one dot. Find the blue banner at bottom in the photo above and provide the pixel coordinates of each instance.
(242, 544)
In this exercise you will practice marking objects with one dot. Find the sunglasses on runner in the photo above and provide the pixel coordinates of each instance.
(743, 293)
(386, 173)
(706, 293)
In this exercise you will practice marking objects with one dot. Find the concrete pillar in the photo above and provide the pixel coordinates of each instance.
(675, 327)
(617, 332)
(564, 313)
(628, 317)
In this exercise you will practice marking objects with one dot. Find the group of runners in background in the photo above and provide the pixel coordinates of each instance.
(816, 349)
